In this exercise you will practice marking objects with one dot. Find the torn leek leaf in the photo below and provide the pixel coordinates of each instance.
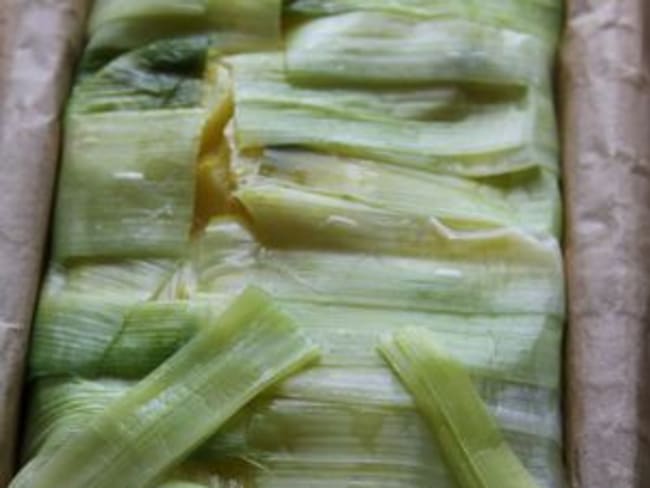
(530, 199)
(476, 452)
(489, 139)
(516, 280)
(371, 48)
(169, 413)
(127, 184)
(119, 25)
(541, 18)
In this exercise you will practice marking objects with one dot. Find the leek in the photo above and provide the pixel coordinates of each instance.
(381, 49)
(169, 413)
(117, 156)
(516, 280)
(150, 333)
(165, 74)
(542, 18)
(473, 446)
(119, 25)
(61, 408)
(140, 278)
(303, 425)
(73, 331)
(291, 218)
(524, 349)
(494, 139)
(530, 200)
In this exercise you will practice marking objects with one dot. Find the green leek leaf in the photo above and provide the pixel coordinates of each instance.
(169, 413)
(381, 49)
(473, 446)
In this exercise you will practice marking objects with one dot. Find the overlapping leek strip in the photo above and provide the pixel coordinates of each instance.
(487, 140)
(395, 165)
(541, 18)
(169, 413)
(119, 25)
(116, 121)
(515, 280)
(476, 452)
(370, 422)
(382, 49)
(117, 157)
(290, 217)
(529, 200)
(141, 279)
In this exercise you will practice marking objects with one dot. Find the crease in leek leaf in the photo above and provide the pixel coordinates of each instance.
(473, 446)
(159, 421)
(494, 139)
(380, 49)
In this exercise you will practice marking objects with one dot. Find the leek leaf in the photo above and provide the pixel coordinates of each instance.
(119, 157)
(116, 26)
(381, 49)
(541, 18)
(470, 439)
(169, 413)
(491, 139)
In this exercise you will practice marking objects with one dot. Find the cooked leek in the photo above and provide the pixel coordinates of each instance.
(141, 279)
(540, 18)
(496, 139)
(292, 218)
(434, 283)
(530, 199)
(165, 74)
(118, 157)
(381, 49)
(168, 414)
(73, 331)
(473, 446)
(118, 25)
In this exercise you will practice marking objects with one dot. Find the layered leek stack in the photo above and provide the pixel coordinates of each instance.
(247, 183)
